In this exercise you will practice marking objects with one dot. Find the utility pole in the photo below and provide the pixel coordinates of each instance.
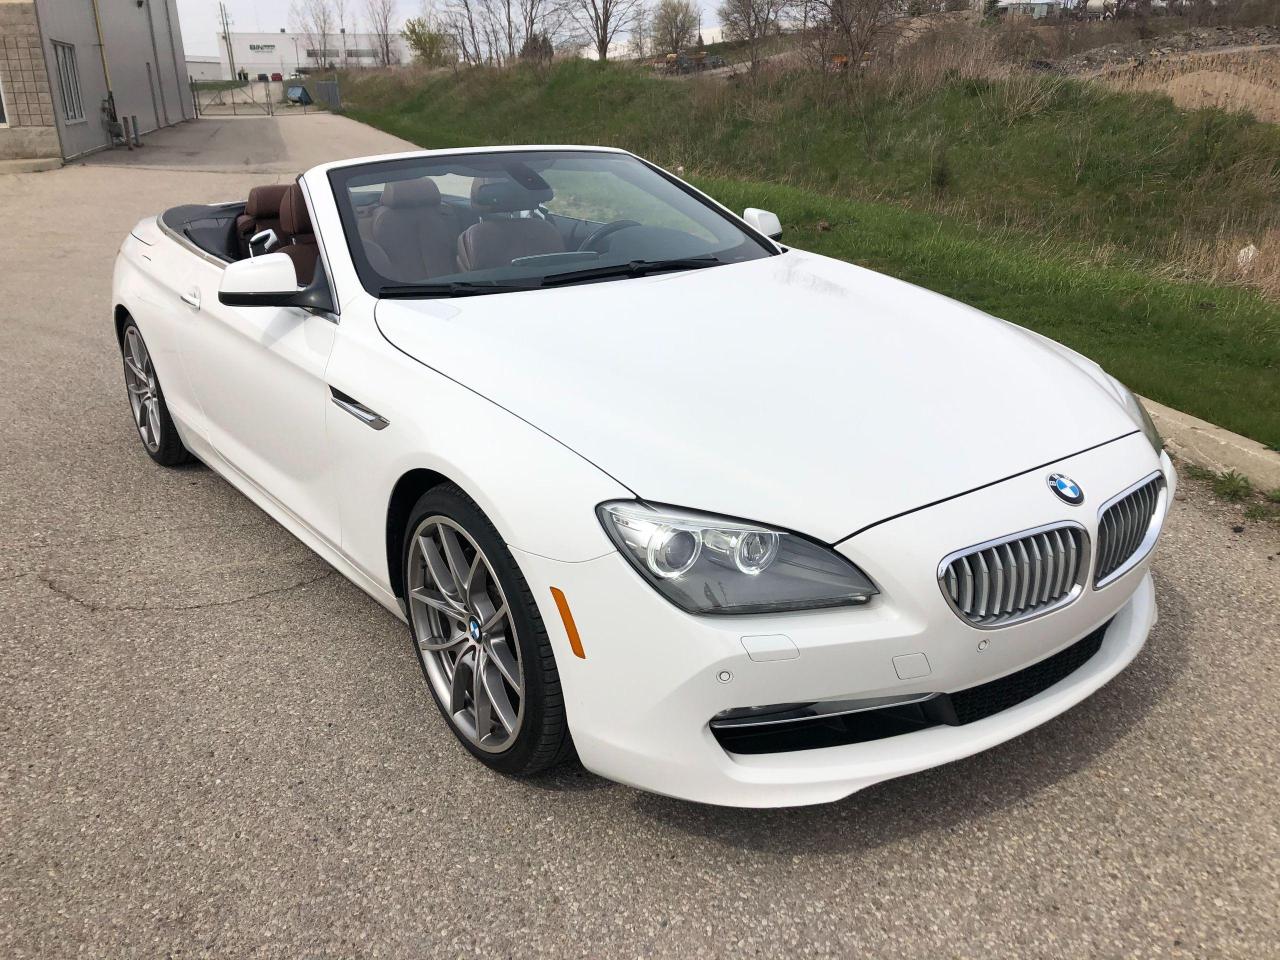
(226, 38)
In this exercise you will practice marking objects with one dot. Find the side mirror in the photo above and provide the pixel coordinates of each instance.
(271, 281)
(762, 221)
(266, 281)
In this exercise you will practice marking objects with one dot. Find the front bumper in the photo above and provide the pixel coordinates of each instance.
(640, 702)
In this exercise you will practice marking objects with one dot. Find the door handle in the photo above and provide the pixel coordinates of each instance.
(192, 299)
(358, 410)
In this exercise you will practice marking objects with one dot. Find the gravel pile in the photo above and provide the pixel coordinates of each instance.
(1141, 51)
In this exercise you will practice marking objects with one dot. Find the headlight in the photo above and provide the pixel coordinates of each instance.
(708, 564)
(1133, 406)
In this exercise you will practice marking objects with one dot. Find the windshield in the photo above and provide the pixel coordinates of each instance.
(494, 222)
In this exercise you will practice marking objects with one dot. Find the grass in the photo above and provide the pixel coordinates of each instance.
(1052, 204)
(1236, 488)
(1232, 486)
(1066, 159)
(1212, 351)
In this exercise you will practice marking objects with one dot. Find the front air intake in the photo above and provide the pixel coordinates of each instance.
(1018, 577)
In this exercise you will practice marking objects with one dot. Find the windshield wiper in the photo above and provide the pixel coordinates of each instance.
(473, 288)
(456, 288)
(636, 268)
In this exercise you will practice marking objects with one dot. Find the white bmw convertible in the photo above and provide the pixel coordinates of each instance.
(736, 522)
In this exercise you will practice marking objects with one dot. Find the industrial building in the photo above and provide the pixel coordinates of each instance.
(71, 70)
(289, 53)
(204, 68)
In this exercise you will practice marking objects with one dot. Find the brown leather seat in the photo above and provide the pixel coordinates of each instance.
(500, 238)
(297, 234)
(261, 212)
(415, 232)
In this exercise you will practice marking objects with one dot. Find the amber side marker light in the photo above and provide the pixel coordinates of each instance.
(571, 628)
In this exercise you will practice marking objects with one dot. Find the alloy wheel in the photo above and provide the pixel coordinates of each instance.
(465, 634)
(144, 393)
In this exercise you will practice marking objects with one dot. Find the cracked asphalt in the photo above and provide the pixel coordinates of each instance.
(212, 745)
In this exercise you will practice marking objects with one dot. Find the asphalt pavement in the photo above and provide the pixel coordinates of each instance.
(213, 745)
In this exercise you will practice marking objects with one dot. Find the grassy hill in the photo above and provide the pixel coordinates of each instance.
(1058, 205)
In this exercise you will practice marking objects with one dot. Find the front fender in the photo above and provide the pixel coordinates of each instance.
(540, 495)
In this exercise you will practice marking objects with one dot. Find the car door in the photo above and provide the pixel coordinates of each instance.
(258, 374)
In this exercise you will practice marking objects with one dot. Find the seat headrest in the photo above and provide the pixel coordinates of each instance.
(419, 192)
(505, 196)
(294, 219)
(264, 202)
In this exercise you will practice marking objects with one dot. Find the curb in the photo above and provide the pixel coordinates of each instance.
(34, 165)
(1214, 448)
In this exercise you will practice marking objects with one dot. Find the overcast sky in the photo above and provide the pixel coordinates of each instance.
(200, 25)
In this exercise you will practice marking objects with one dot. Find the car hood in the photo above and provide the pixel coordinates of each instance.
(795, 390)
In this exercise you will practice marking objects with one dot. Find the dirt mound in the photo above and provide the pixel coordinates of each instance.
(1189, 41)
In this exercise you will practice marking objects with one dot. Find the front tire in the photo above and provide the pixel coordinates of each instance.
(480, 639)
(146, 400)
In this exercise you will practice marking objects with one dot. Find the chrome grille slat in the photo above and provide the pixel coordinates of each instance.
(1017, 577)
(1026, 575)
(1127, 528)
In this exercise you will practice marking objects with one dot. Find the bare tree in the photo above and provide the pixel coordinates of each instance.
(542, 17)
(856, 23)
(753, 22)
(641, 44)
(382, 15)
(341, 16)
(314, 20)
(462, 21)
(675, 25)
(602, 22)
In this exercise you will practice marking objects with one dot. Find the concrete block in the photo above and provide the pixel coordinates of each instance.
(1214, 448)
(32, 165)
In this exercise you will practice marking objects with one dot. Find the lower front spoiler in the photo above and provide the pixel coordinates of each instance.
(829, 773)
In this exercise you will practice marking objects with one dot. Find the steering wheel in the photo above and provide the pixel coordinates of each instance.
(608, 230)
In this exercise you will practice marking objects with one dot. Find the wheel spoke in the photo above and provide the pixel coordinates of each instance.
(472, 587)
(440, 644)
(491, 622)
(454, 558)
(438, 601)
(136, 370)
(140, 391)
(463, 677)
(496, 696)
(438, 570)
(502, 657)
(481, 703)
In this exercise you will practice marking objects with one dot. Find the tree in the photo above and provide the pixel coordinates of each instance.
(752, 22)
(857, 23)
(428, 41)
(342, 18)
(602, 22)
(675, 23)
(537, 48)
(314, 20)
(382, 14)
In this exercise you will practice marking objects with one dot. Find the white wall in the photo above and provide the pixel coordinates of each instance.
(284, 52)
(205, 68)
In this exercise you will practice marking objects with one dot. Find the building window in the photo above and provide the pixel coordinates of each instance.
(68, 80)
(4, 117)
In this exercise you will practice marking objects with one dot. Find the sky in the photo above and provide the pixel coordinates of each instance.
(200, 25)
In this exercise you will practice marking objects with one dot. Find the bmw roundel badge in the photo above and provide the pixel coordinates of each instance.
(1068, 490)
